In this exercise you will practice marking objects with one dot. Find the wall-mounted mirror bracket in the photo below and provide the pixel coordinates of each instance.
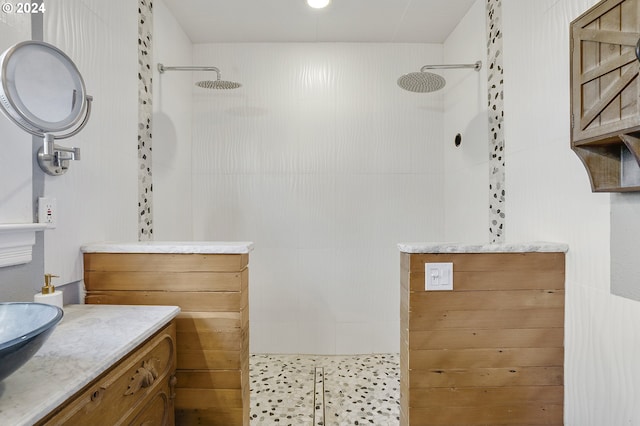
(54, 159)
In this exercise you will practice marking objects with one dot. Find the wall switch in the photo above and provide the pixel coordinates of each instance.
(438, 276)
(47, 212)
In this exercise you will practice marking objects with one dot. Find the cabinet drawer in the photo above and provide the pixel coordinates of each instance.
(158, 410)
(131, 386)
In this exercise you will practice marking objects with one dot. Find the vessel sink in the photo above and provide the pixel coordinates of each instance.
(24, 327)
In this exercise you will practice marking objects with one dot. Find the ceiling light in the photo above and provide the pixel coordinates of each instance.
(318, 4)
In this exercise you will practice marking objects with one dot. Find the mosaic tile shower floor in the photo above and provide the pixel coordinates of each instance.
(313, 390)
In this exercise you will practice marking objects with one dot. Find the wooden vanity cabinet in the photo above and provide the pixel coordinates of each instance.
(212, 291)
(138, 390)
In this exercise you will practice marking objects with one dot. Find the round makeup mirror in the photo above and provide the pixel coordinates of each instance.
(42, 91)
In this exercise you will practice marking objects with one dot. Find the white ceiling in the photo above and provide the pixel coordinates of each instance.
(397, 21)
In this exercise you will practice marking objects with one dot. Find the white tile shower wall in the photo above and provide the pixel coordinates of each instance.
(15, 155)
(172, 110)
(97, 197)
(325, 164)
(550, 199)
(465, 112)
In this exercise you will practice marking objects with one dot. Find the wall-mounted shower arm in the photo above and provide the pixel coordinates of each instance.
(218, 84)
(163, 68)
(425, 82)
(477, 66)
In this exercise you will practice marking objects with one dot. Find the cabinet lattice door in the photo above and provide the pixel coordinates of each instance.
(605, 92)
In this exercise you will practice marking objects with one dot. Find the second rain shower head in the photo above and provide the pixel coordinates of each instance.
(206, 84)
(425, 82)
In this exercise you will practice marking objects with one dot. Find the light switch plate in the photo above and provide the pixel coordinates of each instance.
(438, 276)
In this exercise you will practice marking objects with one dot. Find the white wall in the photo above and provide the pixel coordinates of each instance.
(172, 114)
(466, 184)
(15, 152)
(325, 164)
(549, 198)
(16, 282)
(97, 197)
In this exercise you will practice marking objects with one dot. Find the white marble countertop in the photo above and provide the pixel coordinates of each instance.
(89, 340)
(528, 247)
(178, 247)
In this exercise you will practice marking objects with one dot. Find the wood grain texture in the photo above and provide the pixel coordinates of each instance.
(164, 262)
(95, 403)
(209, 379)
(489, 352)
(165, 281)
(188, 301)
(212, 328)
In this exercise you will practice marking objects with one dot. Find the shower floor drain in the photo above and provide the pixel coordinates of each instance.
(327, 390)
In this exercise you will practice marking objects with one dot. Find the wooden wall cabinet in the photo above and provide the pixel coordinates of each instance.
(138, 390)
(605, 92)
(212, 291)
(489, 352)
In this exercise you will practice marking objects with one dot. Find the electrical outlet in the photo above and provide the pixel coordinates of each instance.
(438, 276)
(47, 211)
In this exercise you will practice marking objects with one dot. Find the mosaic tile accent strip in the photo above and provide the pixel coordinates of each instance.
(358, 390)
(496, 122)
(145, 77)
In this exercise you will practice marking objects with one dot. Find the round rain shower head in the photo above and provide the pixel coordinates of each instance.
(421, 82)
(218, 84)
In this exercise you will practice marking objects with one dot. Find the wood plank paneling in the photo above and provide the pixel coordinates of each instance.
(512, 415)
(489, 352)
(212, 329)
(486, 396)
(199, 399)
(189, 322)
(218, 341)
(482, 358)
(218, 416)
(202, 359)
(188, 301)
(487, 300)
(208, 379)
(166, 281)
(488, 377)
(165, 262)
(491, 262)
(497, 280)
(476, 339)
(437, 319)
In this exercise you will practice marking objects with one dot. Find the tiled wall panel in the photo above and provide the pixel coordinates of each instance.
(97, 198)
(325, 164)
(172, 111)
(549, 198)
(465, 112)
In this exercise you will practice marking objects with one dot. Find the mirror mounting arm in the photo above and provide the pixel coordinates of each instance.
(51, 157)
